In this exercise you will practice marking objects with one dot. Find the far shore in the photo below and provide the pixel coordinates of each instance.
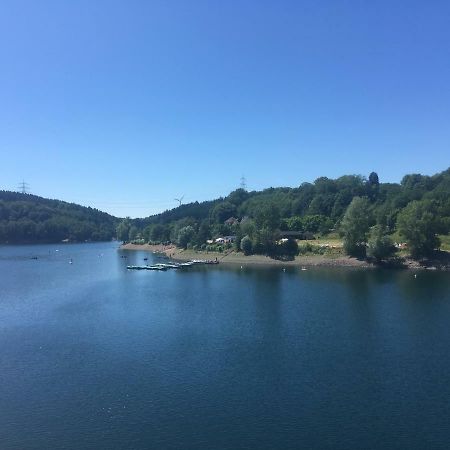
(235, 258)
(232, 257)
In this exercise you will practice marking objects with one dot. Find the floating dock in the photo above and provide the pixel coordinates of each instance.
(166, 266)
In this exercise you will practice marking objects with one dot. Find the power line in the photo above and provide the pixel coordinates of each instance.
(24, 187)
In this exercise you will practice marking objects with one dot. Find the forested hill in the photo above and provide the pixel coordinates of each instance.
(26, 218)
(317, 207)
(418, 206)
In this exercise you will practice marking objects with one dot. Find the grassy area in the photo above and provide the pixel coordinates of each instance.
(445, 242)
(328, 246)
(323, 241)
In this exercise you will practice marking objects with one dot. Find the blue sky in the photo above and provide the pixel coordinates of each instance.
(125, 105)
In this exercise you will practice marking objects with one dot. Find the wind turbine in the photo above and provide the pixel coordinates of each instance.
(179, 199)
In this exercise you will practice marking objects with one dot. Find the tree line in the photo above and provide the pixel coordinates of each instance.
(367, 214)
(26, 218)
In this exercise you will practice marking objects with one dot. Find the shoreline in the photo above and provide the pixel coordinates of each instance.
(235, 258)
(232, 257)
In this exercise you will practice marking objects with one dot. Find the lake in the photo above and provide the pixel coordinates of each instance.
(97, 357)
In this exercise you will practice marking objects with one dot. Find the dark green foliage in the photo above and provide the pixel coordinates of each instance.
(373, 179)
(373, 186)
(26, 218)
(419, 224)
(303, 197)
(268, 216)
(204, 233)
(311, 224)
(246, 245)
(123, 230)
(288, 248)
(223, 211)
(355, 227)
(133, 233)
(303, 249)
(185, 236)
(237, 197)
(380, 245)
(159, 233)
(311, 208)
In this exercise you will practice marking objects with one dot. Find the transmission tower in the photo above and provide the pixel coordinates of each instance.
(243, 183)
(24, 187)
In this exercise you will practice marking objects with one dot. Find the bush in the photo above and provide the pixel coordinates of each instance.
(355, 227)
(246, 245)
(305, 248)
(380, 246)
(419, 224)
(288, 248)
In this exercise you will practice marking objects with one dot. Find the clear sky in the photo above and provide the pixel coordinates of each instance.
(125, 105)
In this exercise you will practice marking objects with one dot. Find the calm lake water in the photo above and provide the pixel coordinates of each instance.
(93, 356)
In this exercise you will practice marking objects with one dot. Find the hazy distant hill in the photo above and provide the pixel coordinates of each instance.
(26, 218)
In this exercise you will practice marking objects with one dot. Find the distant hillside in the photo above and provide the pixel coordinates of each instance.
(311, 208)
(262, 216)
(325, 197)
(26, 218)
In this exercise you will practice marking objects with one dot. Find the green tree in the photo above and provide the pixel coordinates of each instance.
(237, 197)
(246, 245)
(373, 186)
(159, 233)
(248, 227)
(268, 217)
(204, 233)
(133, 233)
(419, 224)
(223, 211)
(185, 236)
(296, 223)
(380, 245)
(288, 248)
(355, 227)
(123, 230)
